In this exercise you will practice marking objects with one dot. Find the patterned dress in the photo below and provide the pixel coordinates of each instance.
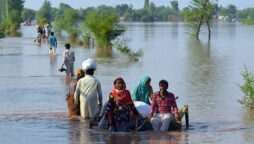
(119, 109)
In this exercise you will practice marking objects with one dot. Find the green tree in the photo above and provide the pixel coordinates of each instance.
(68, 19)
(247, 16)
(243, 14)
(198, 14)
(28, 15)
(45, 11)
(232, 12)
(105, 9)
(146, 5)
(17, 7)
(103, 27)
(148, 13)
(174, 5)
(12, 17)
(222, 11)
(121, 9)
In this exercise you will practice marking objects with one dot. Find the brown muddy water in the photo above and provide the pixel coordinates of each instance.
(204, 75)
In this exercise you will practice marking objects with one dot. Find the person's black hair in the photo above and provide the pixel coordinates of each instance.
(163, 82)
(89, 71)
(118, 79)
(52, 33)
(67, 46)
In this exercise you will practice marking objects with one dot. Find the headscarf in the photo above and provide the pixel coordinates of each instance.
(79, 73)
(142, 92)
(121, 96)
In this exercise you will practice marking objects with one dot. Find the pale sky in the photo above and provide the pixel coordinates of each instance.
(36, 4)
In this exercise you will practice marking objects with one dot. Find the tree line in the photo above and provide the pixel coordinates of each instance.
(101, 24)
(15, 13)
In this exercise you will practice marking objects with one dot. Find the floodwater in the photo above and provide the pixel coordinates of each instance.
(206, 76)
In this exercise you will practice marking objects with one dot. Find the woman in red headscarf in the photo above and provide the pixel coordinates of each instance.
(120, 107)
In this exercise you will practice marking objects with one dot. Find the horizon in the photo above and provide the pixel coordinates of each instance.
(77, 4)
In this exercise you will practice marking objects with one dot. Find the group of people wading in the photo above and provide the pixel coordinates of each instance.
(120, 113)
(45, 33)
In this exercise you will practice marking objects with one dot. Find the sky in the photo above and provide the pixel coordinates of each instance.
(36, 4)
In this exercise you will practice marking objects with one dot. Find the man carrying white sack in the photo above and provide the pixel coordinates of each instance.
(88, 91)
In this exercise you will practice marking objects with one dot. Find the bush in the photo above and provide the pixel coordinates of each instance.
(248, 89)
(122, 46)
(248, 21)
(2, 31)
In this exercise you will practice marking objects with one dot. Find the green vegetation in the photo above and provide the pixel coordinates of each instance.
(103, 27)
(122, 46)
(248, 89)
(2, 31)
(11, 17)
(247, 16)
(68, 19)
(44, 14)
(28, 15)
(45, 11)
(102, 24)
(198, 14)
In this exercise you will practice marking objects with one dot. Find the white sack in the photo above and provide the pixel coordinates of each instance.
(142, 107)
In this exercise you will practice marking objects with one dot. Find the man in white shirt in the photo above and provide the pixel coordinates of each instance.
(88, 91)
(68, 60)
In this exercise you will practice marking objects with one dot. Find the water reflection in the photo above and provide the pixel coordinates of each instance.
(174, 30)
(103, 53)
(77, 132)
(232, 28)
(248, 116)
(207, 75)
(198, 72)
(148, 31)
(53, 60)
(248, 120)
(122, 138)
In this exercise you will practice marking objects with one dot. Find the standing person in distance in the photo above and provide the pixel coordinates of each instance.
(162, 103)
(47, 32)
(68, 60)
(53, 44)
(39, 35)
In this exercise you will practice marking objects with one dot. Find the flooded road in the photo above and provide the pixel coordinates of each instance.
(204, 75)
